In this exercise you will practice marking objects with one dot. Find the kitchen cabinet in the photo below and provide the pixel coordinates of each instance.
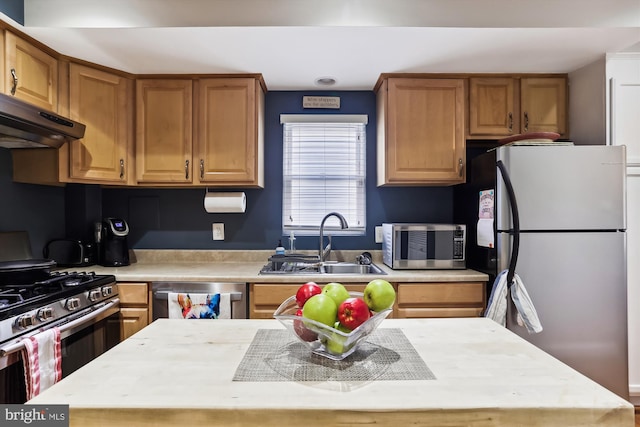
(206, 131)
(451, 299)
(30, 73)
(134, 308)
(420, 131)
(507, 105)
(102, 101)
(164, 131)
(265, 298)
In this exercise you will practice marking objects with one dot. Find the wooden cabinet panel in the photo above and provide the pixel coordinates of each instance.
(134, 307)
(544, 105)
(102, 102)
(227, 131)
(164, 131)
(492, 106)
(440, 299)
(265, 298)
(421, 131)
(30, 74)
(504, 106)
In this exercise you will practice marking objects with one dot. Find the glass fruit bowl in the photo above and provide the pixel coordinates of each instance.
(322, 339)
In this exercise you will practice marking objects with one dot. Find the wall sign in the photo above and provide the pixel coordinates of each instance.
(320, 102)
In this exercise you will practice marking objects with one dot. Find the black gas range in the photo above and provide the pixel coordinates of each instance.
(51, 299)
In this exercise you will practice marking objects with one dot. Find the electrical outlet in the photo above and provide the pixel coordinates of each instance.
(218, 231)
(379, 234)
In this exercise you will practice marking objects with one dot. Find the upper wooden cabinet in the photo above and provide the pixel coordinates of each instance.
(30, 74)
(228, 136)
(504, 106)
(421, 131)
(164, 131)
(102, 102)
(200, 132)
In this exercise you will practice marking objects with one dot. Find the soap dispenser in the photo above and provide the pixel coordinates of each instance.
(280, 248)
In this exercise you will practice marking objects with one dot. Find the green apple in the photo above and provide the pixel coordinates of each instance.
(321, 308)
(336, 291)
(336, 343)
(379, 295)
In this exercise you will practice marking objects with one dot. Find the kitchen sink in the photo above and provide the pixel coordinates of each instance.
(298, 266)
(350, 268)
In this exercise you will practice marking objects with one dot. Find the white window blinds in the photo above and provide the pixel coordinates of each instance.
(324, 170)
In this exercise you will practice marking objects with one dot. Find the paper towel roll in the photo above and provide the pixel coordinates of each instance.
(225, 202)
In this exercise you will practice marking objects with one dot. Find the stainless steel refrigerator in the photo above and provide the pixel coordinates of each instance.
(570, 250)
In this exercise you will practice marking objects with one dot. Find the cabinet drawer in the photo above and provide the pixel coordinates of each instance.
(407, 313)
(133, 293)
(440, 293)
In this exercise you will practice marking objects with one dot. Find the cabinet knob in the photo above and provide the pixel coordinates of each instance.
(186, 169)
(460, 167)
(201, 168)
(510, 122)
(526, 121)
(15, 81)
(121, 168)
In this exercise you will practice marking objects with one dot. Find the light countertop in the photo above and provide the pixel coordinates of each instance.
(177, 371)
(244, 267)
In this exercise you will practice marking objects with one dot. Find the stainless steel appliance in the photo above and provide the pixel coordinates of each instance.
(559, 221)
(23, 125)
(114, 248)
(84, 306)
(237, 295)
(423, 246)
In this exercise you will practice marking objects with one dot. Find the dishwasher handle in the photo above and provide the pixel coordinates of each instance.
(164, 295)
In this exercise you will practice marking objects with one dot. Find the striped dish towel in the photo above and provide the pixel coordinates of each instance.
(497, 306)
(42, 360)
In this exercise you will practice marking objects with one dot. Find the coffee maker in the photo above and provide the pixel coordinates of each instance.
(111, 238)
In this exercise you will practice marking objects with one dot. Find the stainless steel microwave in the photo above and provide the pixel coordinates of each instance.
(423, 246)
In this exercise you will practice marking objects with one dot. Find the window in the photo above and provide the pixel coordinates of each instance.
(324, 170)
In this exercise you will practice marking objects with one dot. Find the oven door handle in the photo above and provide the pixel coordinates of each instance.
(73, 326)
(164, 295)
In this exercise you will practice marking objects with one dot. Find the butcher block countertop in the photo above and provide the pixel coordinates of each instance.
(181, 372)
(237, 266)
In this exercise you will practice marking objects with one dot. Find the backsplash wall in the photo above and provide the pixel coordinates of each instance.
(176, 219)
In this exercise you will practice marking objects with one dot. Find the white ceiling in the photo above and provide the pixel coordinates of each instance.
(293, 42)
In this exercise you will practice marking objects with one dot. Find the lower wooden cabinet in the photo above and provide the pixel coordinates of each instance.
(134, 308)
(451, 299)
(265, 298)
(414, 300)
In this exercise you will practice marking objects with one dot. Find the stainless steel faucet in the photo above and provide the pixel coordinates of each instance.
(324, 252)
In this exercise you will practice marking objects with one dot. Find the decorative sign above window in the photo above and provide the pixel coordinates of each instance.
(321, 102)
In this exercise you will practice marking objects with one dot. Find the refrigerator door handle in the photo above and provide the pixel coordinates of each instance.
(516, 222)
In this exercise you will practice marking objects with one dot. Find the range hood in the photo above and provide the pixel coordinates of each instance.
(23, 125)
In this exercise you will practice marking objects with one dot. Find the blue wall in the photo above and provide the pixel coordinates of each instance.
(175, 218)
(38, 209)
(13, 9)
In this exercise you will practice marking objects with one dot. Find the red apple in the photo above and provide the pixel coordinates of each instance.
(302, 331)
(353, 312)
(306, 291)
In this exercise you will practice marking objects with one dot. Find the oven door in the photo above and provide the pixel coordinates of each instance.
(84, 336)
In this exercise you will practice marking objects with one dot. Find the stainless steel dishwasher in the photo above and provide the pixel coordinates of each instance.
(238, 295)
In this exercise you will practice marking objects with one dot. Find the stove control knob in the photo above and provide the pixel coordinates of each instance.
(106, 291)
(25, 321)
(45, 313)
(72, 304)
(95, 295)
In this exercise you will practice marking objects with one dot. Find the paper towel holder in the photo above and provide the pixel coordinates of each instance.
(224, 202)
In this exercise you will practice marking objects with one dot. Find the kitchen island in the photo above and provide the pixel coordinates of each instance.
(177, 372)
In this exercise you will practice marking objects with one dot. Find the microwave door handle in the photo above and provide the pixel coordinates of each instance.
(516, 222)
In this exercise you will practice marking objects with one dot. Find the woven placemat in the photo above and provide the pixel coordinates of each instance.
(276, 355)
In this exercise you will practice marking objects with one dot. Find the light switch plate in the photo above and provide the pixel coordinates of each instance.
(218, 230)
(379, 234)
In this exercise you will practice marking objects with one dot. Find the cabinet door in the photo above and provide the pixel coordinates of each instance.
(102, 102)
(133, 320)
(30, 74)
(164, 131)
(227, 151)
(492, 107)
(424, 141)
(544, 105)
